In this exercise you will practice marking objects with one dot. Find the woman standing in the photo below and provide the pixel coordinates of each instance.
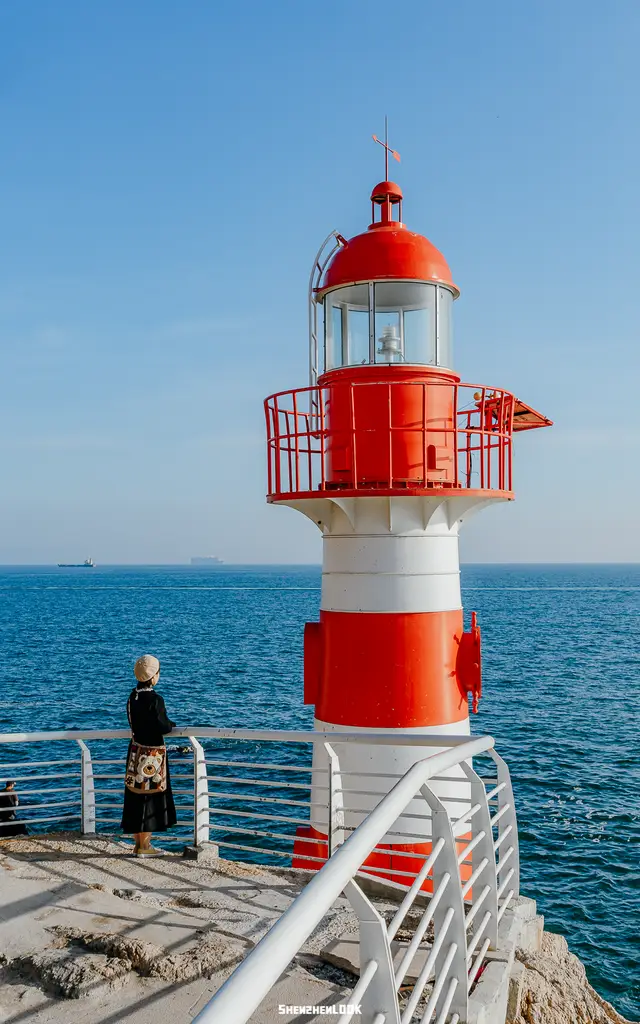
(148, 800)
(8, 824)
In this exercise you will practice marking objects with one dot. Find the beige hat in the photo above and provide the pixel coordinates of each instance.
(146, 668)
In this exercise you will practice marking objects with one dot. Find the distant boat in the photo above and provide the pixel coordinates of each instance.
(206, 560)
(87, 564)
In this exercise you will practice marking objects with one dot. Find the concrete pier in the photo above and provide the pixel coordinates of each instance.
(90, 934)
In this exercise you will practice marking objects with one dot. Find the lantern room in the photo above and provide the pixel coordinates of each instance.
(386, 296)
(388, 322)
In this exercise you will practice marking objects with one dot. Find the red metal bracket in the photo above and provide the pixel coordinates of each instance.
(469, 663)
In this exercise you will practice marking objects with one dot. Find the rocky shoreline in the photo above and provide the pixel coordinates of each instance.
(550, 987)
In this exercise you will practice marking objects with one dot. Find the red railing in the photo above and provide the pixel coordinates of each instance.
(394, 437)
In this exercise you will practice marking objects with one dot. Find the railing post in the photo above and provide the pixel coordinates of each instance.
(424, 438)
(354, 436)
(379, 1002)
(507, 826)
(448, 917)
(200, 795)
(267, 413)
(88, 795)
(456, 480)
(323, 441)
(481, 438)
(483, 859)
(296, 440)
(276, 443)
(335, 837)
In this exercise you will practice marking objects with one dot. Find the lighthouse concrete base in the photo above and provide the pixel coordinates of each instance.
(367, 772)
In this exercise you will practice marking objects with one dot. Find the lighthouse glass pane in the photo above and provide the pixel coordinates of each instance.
(333, 337)
(445, 328)
(347, 330)
(405, 322)
(358, 349)
(420, 336)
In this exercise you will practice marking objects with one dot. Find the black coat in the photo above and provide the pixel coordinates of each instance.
(8, 824)
(10, 800)
(148, 717)
(148, 812)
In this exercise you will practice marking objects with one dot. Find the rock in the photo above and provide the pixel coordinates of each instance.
(215, 954)
(212, 954)
(91, 962)
(554, 989)
(138, 954)
(69, 974)
(516, 982)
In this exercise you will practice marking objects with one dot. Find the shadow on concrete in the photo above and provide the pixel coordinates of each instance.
(250, 893)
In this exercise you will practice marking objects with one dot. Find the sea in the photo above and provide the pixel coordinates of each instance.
(561, 696)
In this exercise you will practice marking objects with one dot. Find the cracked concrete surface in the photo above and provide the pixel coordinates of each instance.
(90, 934)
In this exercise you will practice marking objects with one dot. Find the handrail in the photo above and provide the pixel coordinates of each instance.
(319, 265)
(279, 735)
(373, 382)
(243, 992)
(436, 435)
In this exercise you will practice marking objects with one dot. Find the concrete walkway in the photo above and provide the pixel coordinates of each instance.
(89, 933)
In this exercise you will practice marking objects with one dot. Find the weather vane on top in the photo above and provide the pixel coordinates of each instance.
(387, 149)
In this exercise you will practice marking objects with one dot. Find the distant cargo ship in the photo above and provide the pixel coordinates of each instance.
(206, 560)
(87, 564)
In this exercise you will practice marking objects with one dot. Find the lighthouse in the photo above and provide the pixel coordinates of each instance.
(388, 453)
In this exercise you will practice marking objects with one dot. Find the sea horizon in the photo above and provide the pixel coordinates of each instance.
(275, 565)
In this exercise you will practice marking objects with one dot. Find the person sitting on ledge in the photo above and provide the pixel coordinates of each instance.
(148, 800)
(8, 802)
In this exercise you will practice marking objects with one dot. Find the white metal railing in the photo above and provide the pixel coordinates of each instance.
(246, 800)
(464, 905)
(468, 868)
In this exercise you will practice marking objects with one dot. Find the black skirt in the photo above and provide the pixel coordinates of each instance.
(13, 828)
(149, 812)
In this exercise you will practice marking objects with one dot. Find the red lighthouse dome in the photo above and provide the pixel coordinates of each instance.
(387, 250)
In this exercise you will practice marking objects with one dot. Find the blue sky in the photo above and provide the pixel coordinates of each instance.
(168, 172)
